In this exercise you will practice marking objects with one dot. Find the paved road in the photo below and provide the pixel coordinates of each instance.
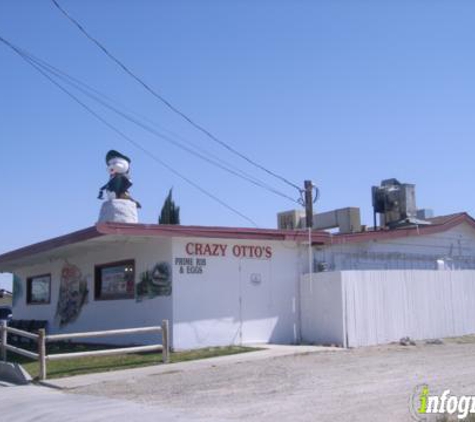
(42, 404)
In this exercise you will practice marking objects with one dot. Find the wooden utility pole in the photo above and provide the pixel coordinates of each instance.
(308, 186)
(307, 202)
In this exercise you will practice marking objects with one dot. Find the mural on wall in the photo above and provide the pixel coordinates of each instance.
(155, 282)
(17, 289)
(73, 293)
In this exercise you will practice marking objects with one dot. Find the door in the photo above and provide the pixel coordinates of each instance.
(257, 315)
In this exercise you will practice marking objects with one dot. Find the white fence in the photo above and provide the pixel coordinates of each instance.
(42, 338)
(360, 308)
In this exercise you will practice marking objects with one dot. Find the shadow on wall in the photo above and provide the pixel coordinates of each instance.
(17, 289)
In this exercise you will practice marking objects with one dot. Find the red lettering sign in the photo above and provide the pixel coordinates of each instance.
(189, 249)
(238, 251)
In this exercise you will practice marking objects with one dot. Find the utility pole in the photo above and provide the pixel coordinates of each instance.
(307, 202)
(308, 187)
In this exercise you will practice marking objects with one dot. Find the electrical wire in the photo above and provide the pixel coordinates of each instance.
(96, 95)
(123, 135)
(167, 103)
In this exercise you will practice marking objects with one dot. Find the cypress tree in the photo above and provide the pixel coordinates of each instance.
(170, 213)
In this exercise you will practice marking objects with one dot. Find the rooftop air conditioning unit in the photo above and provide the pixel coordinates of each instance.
(291, 220)
(396, 203)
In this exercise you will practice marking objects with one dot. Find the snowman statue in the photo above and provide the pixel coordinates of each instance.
(119, 207)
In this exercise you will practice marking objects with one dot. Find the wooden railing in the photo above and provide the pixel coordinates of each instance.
(42, 338)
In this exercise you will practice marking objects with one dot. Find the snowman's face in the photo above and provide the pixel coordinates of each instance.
(117, 166)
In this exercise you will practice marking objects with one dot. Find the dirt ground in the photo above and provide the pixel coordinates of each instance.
(366, 384)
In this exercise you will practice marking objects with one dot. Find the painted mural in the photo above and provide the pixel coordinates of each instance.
(73, 294)
(155, 282)
(17, 289)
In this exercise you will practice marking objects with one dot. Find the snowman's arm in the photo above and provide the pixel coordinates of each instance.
(101, 191)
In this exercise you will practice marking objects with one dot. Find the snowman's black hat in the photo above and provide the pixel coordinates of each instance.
(116, 154)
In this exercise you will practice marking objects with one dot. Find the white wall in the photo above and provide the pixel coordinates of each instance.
(104, 314)
(222, 306)
(456, 246)
(384, 306)
(322, 309)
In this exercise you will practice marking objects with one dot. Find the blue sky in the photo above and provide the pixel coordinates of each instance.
(345, 93)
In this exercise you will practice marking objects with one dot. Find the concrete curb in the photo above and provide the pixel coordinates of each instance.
(14, 373)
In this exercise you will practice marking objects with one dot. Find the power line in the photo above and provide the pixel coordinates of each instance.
(123, 135)
(168, 103)
(86, 90)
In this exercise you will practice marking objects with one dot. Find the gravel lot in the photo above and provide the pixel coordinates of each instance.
(367, 384)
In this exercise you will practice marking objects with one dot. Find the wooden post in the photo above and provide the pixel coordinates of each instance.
(42, 353)
(3, 339)
(308, 188)
(165, 342)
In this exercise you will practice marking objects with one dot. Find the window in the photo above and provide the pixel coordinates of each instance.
(115, 281)
(38, 290)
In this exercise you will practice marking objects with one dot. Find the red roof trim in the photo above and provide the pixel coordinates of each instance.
(105, 229)
(441, 224)
(75, 237)
(210, 232)
(446, 223)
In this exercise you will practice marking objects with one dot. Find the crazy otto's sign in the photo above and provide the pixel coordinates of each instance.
(223, 250)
